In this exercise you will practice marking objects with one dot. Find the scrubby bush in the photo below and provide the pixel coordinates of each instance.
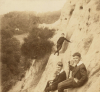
(10, 58)
(6, 33)
(37, 44)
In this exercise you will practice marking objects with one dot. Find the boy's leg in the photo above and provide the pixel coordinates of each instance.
(47, 86)
(51, 88)
(48, 89)
(58, 48)
(55, 52)
(65, 84)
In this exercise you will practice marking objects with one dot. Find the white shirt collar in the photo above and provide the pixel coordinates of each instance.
(80, 62)
(61, 71)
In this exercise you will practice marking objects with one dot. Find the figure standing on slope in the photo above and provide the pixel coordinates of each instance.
(79, 74)
(60, 42)
(60, 76)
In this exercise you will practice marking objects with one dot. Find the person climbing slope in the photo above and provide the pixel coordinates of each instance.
(60, 42)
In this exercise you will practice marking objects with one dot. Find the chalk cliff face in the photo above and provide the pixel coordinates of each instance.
(80, 21)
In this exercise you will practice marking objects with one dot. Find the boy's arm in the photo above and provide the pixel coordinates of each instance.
(71, 65)
(66, 40)
(61, 78)
(84, 77)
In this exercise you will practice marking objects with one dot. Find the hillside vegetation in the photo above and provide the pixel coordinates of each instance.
(17, 58)
(37, 44)
(22, 22)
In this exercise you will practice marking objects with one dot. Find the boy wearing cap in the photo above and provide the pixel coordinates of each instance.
(60, 76)
(60, 42)
(79, 74)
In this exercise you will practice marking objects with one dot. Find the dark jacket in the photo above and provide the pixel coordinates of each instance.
(59, 78)
(80, 73)
(61, 40)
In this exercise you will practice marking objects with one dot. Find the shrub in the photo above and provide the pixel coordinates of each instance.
(10, 57)
(6, 33)
(38, 43)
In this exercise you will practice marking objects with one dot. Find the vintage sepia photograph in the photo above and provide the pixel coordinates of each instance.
(49, 45)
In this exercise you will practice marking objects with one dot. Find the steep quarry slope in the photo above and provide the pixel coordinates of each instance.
(80, 21)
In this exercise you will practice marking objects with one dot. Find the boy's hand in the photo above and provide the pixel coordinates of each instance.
(68, 62)
(76, 80)
(71, 62)
(71, 41)
(50, 82)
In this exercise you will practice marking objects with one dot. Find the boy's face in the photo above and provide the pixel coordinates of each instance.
(59, 68)
(76, 59)
(62, 35)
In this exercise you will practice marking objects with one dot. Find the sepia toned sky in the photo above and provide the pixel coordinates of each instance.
(30, 5)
